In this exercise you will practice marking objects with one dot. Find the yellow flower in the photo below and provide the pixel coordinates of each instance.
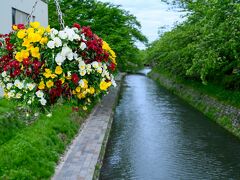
(47, 73)
(104, 85)
(34, 37)
(49, 83)
(92, 90)
(62, 80)
(53, 76)
(85, 83)
(44, 40)
(19, 57)
(84, 108)
(111, 53)
(21, 34)
(26, 42)
(58, 70)
(68, 77)
(30, 30)
(73, 92)
(48, 29)
(25, 54)
(80, 95)
(14, 27)
(78, 89)
(41, 31)
(35, 52)
(41, 85)
(35, 24)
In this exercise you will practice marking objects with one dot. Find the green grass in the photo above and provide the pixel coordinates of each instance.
(32, 151)
(216, 91)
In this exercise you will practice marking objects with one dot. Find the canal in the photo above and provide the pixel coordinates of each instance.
(155, 135)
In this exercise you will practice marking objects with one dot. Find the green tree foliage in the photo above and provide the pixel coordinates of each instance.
(206, 46)
(115, 25)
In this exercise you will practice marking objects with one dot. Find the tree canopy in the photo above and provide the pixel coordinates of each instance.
(206, 46)
(115, 25)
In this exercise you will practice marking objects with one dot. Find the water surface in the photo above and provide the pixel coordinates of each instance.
(155, 135)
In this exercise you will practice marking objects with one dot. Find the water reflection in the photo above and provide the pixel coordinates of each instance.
(155, 135)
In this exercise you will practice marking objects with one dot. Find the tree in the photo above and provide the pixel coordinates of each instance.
(115, 25)
(205, 46)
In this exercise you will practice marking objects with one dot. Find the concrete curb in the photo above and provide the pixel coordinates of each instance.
(84, 158)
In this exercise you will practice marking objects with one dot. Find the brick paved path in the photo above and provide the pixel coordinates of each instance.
(83, 155)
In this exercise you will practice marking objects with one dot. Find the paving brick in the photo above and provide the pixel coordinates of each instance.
(79, 163)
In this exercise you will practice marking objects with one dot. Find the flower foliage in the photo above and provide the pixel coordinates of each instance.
(40, 65)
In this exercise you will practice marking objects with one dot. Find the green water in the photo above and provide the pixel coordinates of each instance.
(155, 135)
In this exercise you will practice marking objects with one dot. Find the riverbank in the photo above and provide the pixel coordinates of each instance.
(226, 115)
(31, 149)
(84, 157)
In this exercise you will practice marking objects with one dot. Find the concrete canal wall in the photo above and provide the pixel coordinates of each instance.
(225, 115)
(84, 157)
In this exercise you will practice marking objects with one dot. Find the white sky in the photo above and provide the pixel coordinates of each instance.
(152, 14)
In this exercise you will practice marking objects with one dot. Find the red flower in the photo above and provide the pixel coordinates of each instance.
(36, 64)
(75, 78)
(112, 66)
(21, 26)
(87, 31)
(26, 61)
(16, 72)
(58, 83)
(9, 47)
(76, 25)
(15, 64)
(28, 71)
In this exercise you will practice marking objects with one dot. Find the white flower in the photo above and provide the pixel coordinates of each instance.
(65, 50)
(50, 44)
(18, 84)
(105, 66)
(29, 101)
(89, 68)
(70, 33)
(39, 94)
(69, 73)
(99, 70)
(31, 86)
(113, 81)
(75, 55)
(81, 65)
(83, 46)
(6, 79)
(43, 101)
(79, 59)
(9, 85)
(81, 83)
(62, 34)
(4, 74)
(54, 31)
(70, 56)
(83, 37)
(18, 95)
(95, 64)
(57, 42)
(11, 93)
(59, 59)
(83, 72)
(49, 115)
(76, 37)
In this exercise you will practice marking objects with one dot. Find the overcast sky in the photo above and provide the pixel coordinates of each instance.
(151, 13)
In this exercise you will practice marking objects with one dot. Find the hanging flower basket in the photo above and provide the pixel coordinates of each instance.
(40, 65)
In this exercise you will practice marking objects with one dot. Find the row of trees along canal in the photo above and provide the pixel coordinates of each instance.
(205, 47)
(116, 26)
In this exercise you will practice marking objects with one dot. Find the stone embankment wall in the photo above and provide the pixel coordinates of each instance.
(225, 115)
